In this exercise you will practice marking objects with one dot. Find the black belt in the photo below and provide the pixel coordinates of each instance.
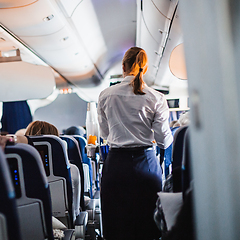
(123, 149)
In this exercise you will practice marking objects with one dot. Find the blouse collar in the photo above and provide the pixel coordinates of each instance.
(128, 79)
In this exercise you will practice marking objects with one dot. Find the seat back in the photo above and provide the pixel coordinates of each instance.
(82, 142)
(74, 156)
(186, 164)
(9, 221)
(177, 156)
(57, 168)
(32, 192)
(177, 150)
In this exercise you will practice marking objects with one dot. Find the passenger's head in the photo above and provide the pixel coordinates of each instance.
(75, 131)
(184, 119)
(135, 62)
(20, 132)
(172, 123)
(41, 128)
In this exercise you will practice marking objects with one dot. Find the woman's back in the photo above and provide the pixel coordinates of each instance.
(130, 116)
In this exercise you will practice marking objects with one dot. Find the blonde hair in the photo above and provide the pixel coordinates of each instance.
(136, 63)
(41, 128)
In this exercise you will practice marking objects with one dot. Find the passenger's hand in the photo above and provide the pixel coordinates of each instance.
(4, 140)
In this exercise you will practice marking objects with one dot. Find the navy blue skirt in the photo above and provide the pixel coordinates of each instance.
(129, 186)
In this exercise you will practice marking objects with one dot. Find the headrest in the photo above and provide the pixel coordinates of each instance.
(5, 177)
(33, 171)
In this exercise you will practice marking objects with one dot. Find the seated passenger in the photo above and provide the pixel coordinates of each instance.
(171, 124)
(75, 131)
(20, 132)
(4, 140)
(182, 121)
(45, 128)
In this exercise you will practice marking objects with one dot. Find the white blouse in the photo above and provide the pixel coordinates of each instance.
(129, 120)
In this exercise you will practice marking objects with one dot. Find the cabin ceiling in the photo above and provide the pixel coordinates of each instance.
(81, 40)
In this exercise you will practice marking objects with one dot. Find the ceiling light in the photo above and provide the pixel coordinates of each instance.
(48, 18)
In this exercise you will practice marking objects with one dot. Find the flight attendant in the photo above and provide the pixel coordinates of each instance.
(131, 116)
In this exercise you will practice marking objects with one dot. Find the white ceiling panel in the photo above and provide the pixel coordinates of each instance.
(15, 4)
(85, 20)
(29, 20)
(163, 7)
(70, 6)
(156, 23)
(117, 20)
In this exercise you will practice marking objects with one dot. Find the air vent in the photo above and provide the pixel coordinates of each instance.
(116, 76)
(2, 39)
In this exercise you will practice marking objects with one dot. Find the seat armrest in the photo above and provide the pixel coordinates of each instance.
(69, 234)
(80, 225)
(90, 208)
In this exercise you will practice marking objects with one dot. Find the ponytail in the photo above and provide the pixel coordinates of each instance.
(136, 61)
(138, 82)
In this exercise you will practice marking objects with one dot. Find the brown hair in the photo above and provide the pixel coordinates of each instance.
(41, 128)
(136, 64)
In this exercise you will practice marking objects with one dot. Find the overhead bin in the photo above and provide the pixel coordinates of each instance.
(44, 27)
(153, 26)
(22, 81)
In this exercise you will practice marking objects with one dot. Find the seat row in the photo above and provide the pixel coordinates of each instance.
(36, 183)
(174, 212)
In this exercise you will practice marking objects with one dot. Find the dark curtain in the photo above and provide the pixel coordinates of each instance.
(16, 115)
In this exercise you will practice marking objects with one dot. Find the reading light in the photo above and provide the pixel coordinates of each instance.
(65, 39)
(48, 18)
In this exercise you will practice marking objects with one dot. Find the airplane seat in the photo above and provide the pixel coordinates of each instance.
(174, 212)
(82, 142)
(9, 220)
(74, 157)
(32, 192)
(94, 206)
(177, 155)
(57, 168)
(168, 156)
(186, 165)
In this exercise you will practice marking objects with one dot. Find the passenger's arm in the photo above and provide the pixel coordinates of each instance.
(17, 139)
(102, 119)
(4, 140)
(22, 139)
(160, 125)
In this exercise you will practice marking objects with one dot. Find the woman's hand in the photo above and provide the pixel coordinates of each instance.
(4, 140)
